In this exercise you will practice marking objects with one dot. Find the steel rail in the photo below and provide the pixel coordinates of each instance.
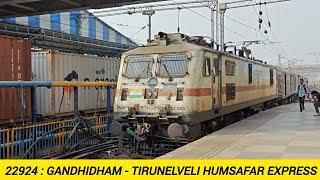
(87, 150)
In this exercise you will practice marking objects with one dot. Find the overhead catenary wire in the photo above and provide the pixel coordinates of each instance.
(138, 41)
(209, 6)
(121, 24)
(148, 5)
(269, 23)
(142, 28)
(241, 23)
(227, 28)
(277, 46)
(233, 19)
(230, 18)
(275, 49)
(236, 33)
(275, 37)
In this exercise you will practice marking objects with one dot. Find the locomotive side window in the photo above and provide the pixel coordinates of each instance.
(250, 73)
(230, 68)
(230, 91)
(206, 67)
(138, 67)
(173, 65)
(271, 77)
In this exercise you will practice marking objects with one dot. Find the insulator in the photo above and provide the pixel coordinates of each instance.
(260, 13)
(269, 23)
(259, 26)
(260, 20)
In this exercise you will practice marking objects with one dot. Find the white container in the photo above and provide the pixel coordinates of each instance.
(55, 66)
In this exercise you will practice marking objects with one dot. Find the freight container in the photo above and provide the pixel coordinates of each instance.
(55, 66)
(15, 64)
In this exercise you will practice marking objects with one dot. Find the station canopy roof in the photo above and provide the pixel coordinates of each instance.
(17, 8)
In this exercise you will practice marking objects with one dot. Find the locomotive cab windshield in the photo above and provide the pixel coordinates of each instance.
(173, 66)
(138, 67)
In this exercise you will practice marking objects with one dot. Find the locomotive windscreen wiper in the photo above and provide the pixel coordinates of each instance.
(142, 72)
(165, 67)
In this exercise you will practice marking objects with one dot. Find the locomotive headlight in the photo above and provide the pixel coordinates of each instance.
(180, 92)
(148, 94)
(124, 94)
(151, 94)
(153, 82)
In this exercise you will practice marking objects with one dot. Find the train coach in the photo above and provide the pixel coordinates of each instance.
(179, 87)
(287, 85)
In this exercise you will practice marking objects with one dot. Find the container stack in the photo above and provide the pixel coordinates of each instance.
(19, 63)
(56, 66)
(15, 63)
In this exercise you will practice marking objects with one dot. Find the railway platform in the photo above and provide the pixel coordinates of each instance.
(279, 133)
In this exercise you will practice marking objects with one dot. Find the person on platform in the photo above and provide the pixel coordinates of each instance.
(302, 91)
(316, 101)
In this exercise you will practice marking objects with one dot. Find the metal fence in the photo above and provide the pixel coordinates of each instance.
(47, 139)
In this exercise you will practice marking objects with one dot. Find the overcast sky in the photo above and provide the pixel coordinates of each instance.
(295, 26)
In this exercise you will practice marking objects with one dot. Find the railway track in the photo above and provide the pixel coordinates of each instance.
(86, 152)
(121, 148)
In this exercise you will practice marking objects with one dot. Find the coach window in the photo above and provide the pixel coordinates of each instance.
(230, 91)
(250, 73)
(271, 77)
(230, 68)
(206, 67)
